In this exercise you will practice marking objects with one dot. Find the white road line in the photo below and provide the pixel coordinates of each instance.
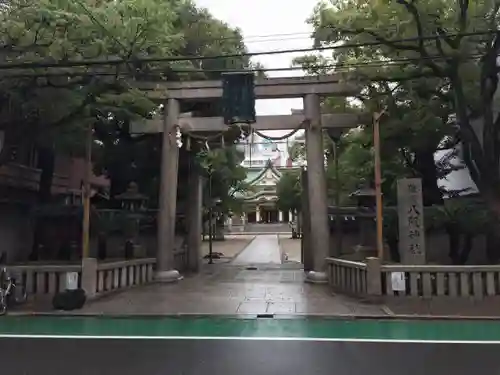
(229, 338)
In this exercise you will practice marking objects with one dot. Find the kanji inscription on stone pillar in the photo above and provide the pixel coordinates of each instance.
(411, 221)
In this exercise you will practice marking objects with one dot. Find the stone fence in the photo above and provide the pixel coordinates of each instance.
(373, 279)
(112, 276)
(97, 278)
(41, 279)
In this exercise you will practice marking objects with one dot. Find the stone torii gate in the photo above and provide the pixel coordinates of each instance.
(311, 89)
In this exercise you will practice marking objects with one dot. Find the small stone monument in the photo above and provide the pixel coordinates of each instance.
(411, 221)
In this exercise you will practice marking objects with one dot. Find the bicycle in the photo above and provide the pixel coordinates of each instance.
(10, 292)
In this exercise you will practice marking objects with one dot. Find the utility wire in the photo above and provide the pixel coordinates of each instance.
(68, 64)
(337, 67)
(299, 34)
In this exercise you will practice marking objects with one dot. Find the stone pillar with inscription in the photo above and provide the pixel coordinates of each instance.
(411, 221)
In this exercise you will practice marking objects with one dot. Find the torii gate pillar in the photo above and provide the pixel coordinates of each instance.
(316, 182)
(165, 268)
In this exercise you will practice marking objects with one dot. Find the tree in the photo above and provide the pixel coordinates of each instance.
(55, 106)
(226, 178)
(413, 130)
(289, 192)
(461, 69)
(223, 167)
(126, 158)
(51, 108)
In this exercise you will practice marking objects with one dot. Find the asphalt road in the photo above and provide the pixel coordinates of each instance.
(42, 356)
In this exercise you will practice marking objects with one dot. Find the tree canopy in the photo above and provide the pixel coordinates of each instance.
(54, 104)
(288, 191)
(222, 168)
(433, 64)
(39, 102)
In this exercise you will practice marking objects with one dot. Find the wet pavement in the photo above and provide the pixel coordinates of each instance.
(228, 290)
(254, 283)
(264, 249)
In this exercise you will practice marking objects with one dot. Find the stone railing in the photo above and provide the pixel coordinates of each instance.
(346, 276)
(123, 274)
(371, 278)
(97, 278)
(440, 281)
(43, 279)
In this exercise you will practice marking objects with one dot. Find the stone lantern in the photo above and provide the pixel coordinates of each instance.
(365, 198)
(132, 202)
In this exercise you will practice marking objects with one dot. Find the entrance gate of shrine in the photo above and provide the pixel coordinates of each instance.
(315, 215)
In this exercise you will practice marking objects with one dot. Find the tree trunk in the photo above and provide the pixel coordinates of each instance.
(298, 219)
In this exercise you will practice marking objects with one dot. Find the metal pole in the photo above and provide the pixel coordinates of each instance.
(210, 213)
(338, 221)
(86, 194)
(378, 183)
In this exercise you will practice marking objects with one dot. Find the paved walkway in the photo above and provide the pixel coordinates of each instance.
(229, 248)
(222, 289)
(264, 249)
(230, 288)
(226, 288)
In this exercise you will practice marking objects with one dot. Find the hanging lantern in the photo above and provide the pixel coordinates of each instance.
(238, 98)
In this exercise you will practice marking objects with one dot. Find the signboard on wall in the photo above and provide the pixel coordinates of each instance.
(71, 280)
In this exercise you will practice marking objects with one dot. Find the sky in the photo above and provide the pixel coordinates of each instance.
(263, 24)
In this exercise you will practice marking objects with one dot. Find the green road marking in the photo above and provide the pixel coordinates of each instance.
(228, 327)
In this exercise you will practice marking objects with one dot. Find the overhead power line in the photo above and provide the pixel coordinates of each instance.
(336, 67)
(118, 61)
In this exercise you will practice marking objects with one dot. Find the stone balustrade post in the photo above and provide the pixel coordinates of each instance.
(373, 277)
(89, 276)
